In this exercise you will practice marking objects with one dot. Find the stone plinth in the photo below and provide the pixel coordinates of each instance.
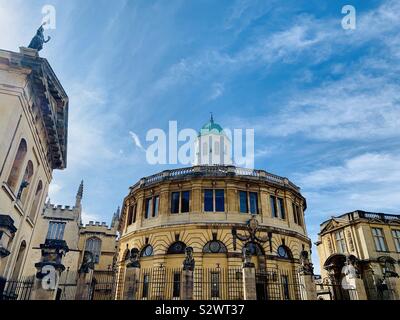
(83, 285)
(249, 283)
(187, 285)
(308, 287)
(131, 283)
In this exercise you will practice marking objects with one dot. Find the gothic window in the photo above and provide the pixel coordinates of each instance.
(379, 239)
(93, 245)
(36, 201)
(17, 165)
(177, 247)
(27, 179)
(56, 230)
(147, 251)
(284, 252)
(214, 246)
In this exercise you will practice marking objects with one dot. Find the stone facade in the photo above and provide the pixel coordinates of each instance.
(366, 241)
(160, 227)
(96, 237)
(33, 131)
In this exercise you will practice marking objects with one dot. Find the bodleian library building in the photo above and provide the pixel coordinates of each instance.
(210, 231)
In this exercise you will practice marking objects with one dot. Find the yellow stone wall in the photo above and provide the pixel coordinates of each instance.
(19, 120)
(196, 228)
(359, 241)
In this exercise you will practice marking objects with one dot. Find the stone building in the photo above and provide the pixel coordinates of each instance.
(367, 242)
(65, 223)
(223, 213)
(33, 142)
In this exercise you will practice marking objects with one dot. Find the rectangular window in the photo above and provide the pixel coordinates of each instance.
(396, 237)
(156, 204)
(299, 216)
(273, 207)
(219, 200)
(214, 200)
(253, 202)
(208, 200)
(177, 285)
(215, 285)
(185, 201)
(147, 208)
(243, 202)
(282, 208)
(379, 239)
(145, 289)
(341, 242)
(134, 213)
(56, 230)
(295, 214)
(175, 202)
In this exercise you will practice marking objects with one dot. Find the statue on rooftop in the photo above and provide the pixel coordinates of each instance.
(38, 40)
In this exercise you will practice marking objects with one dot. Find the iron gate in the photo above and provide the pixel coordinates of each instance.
(16, 289)
(275, 284)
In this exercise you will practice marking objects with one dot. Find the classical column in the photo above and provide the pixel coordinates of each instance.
(49, 269)
(85, 276)
(132, 274)
(249, 277)
(187, 275)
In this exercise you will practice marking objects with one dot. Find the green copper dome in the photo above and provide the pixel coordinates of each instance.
(211, 126)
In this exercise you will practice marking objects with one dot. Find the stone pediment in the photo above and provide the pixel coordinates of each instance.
(334, 223)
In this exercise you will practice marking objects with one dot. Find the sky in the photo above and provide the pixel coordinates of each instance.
(324, 101)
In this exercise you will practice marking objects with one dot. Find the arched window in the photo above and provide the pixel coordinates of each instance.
(147, 251)
(94, 246)
(284, 252)
(177, 247)
(12, 180)
(36, 201)
(255, 249)
(214, 246)
(26, 180)
(18, 262)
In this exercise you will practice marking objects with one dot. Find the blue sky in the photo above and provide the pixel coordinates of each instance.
(323, 101)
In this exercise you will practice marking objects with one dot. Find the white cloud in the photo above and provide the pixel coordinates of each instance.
(136, 140)
(54, 189)
(369, 168)
(86, 217)
(217, 91)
